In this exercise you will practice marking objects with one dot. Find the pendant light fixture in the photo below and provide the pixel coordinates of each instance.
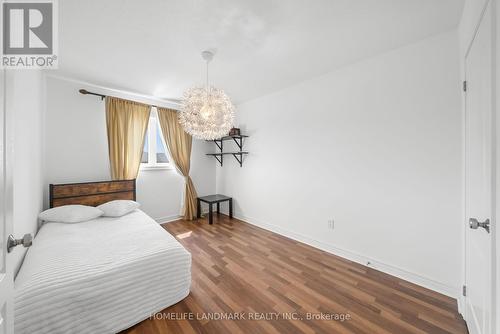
(206, 112)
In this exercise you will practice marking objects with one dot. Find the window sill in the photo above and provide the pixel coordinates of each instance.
(160, 167)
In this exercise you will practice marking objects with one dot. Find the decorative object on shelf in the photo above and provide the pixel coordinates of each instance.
(234, 132)
(207, 112)
(238, 155)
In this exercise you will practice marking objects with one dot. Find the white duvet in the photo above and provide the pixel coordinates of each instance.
(99, 276)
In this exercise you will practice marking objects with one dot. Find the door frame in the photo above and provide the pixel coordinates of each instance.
(495, 165)
(496, 157)
(6, 198)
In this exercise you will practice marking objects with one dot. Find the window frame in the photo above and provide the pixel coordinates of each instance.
(152, 130)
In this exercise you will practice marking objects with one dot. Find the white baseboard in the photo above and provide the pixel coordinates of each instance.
(167, 219)
(454, 292)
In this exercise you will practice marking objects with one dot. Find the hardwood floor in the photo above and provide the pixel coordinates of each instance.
(239, 269)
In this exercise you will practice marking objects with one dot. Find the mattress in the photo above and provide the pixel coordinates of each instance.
(99, 276)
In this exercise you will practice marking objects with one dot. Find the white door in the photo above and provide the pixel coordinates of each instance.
(6, 270)
(478, 183)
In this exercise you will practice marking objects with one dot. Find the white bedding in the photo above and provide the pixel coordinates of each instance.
(100, 276)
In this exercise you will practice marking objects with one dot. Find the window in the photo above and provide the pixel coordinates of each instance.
(154, 154)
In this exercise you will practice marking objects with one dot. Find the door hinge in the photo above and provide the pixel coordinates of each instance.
(464, 290)
(465, 86)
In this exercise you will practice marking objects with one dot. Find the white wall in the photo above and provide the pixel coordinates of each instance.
(24, 96)
(76, 150)
(376, 146)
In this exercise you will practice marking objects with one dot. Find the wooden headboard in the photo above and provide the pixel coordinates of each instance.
(91, 193)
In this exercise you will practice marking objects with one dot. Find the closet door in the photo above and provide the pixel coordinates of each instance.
(478, 183)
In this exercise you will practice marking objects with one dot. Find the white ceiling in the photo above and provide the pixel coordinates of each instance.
(153, 47)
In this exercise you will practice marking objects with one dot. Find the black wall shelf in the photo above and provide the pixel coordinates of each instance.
(238, 139)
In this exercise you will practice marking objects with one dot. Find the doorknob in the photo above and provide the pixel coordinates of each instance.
(12, 242)
(474, 224)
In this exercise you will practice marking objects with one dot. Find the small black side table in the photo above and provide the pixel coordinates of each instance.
(214, 199)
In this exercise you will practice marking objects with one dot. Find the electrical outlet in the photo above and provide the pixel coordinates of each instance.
(331, 224)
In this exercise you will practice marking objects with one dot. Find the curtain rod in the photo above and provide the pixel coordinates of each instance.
(86, 92)
(102, 96)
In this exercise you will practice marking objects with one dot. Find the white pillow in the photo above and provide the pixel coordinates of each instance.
(70, 214)
(118, 208)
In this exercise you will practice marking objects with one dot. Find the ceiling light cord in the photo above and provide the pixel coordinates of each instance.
(207, 56)
(207, 76)
(206, 84)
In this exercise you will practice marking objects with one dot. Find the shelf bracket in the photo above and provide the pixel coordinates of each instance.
(240, 160)
(217, 143)
(240, 144)
(219, 160)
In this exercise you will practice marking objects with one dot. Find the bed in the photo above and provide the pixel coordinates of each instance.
(102, 275)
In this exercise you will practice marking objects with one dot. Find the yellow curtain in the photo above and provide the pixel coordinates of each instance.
(127, 122)
(179, 145)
